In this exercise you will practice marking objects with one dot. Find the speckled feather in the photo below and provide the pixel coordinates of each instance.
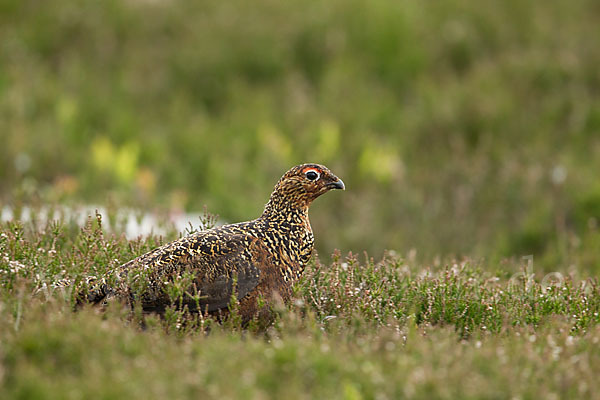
(258, 259)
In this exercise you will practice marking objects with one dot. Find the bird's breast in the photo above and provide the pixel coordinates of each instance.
(290, 244)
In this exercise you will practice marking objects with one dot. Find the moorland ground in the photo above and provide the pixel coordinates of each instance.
(467, 134)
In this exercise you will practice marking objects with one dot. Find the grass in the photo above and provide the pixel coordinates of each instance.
(358, 329)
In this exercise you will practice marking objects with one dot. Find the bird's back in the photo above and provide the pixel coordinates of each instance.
(203, 270)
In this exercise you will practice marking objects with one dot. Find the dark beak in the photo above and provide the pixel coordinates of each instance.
(339, 184)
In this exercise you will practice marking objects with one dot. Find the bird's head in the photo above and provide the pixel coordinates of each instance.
(302, 184)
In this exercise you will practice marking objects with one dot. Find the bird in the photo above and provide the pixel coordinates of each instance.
(257, 261)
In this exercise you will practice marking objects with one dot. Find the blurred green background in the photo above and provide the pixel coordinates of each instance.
(459, 127)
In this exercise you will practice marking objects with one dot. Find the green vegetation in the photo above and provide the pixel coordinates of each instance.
(467, 133)
(357, 329)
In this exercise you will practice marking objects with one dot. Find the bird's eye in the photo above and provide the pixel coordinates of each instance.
(312, 175)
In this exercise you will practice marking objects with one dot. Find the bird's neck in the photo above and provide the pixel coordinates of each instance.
(281, 209)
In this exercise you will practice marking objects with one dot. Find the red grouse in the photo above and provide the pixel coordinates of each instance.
(258, 260)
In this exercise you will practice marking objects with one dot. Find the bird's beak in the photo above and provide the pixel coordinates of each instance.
(339, 184)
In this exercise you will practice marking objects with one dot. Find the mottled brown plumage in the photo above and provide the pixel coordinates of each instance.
(258, 259)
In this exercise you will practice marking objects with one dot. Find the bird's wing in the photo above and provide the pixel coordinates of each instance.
(204, 269)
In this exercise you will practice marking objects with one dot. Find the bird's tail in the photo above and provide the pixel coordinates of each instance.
(91, 291)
